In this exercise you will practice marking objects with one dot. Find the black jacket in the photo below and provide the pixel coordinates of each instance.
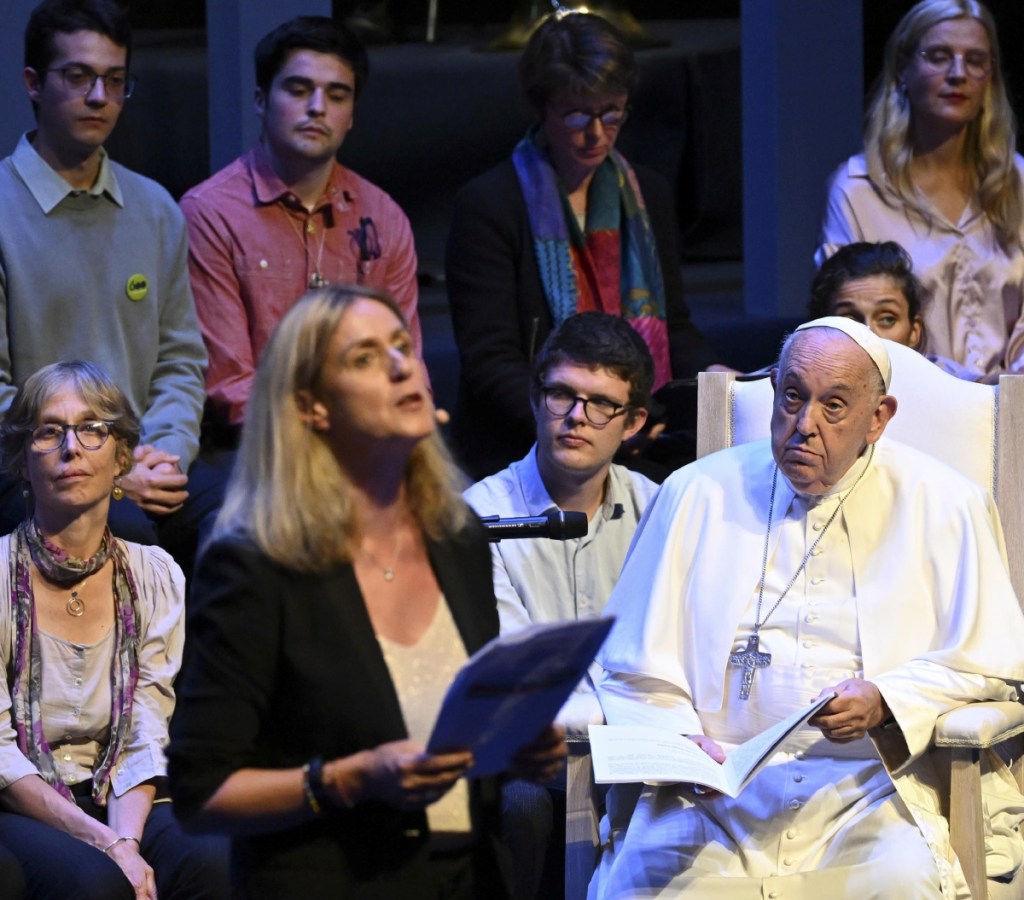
(501, 317)
(283, 666)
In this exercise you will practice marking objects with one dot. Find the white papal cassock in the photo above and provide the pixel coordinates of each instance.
(908, 588)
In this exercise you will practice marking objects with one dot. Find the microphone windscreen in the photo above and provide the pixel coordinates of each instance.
(565, 526)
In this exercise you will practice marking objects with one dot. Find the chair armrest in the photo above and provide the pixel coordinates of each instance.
(980, 725)
(581, 820)
(578, 712)
(578, 742)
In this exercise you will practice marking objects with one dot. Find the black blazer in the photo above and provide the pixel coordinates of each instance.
(501, 317)
(282, 666)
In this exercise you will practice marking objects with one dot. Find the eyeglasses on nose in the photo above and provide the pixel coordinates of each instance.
(597, 410)
(937, 60)
(53, 435)
(81, 79)
(579, 119)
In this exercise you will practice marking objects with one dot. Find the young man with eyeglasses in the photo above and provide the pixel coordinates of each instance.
(93, 265)
(591, 386)
(286, 216)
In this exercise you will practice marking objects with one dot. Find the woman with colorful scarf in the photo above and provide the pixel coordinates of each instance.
(566, 225)
(91, 634)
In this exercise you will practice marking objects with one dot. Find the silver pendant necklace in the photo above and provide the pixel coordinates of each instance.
(751, 658)
(316, 280)
(388, 571)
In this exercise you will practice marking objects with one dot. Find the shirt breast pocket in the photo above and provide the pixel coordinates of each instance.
(257, 271)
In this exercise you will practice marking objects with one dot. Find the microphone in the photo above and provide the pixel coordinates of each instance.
(554, 524)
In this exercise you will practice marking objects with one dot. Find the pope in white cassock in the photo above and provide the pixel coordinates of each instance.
(857, 565)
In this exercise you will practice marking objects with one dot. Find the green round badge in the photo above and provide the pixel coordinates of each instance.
(137, 287)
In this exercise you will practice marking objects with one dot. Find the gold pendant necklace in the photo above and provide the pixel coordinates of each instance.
(75, 605)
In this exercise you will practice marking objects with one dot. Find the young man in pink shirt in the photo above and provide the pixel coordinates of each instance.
(287, 216)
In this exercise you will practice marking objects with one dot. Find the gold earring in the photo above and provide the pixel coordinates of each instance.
(117, 492)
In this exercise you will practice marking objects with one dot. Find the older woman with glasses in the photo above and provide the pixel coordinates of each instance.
(91, 632)
(939, 175)
(566, 225)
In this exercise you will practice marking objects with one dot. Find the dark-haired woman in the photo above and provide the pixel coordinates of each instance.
(873, 284)
(566, 225)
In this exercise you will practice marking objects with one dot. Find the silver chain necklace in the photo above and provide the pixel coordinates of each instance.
(387, 571)
(750, 657)
(316, 280)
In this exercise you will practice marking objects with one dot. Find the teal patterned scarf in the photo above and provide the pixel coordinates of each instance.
(612, 265)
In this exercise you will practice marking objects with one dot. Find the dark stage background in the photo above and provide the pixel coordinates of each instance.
(433, 116)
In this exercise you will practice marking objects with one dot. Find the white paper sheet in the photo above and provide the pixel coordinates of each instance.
(633, 753)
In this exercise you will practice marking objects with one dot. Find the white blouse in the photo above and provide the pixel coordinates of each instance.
(421, 673)
(973, 290)
(76, 684)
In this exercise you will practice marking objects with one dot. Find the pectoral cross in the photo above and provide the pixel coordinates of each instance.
(751, 659)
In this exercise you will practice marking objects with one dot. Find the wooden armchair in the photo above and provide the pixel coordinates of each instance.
(582, 816)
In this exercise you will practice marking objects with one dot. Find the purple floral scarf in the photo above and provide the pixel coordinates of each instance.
(29, 546)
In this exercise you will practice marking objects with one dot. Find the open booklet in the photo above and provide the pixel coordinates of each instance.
(512, 688)
(628, 753)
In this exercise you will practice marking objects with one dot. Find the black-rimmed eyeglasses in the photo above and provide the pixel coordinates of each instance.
(117, 83)
(53, 435)
(560, 402)
(579, 119)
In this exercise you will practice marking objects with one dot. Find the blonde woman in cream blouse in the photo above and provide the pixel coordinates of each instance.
(345, 584)
(939, 176)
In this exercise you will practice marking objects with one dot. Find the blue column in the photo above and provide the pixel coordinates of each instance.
(233, 28)
(15, 110)
(802, 65)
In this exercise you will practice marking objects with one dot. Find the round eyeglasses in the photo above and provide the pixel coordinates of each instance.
(53, 435)
(598, 411)
(117, 83)
(579, 119)
(937, 60)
